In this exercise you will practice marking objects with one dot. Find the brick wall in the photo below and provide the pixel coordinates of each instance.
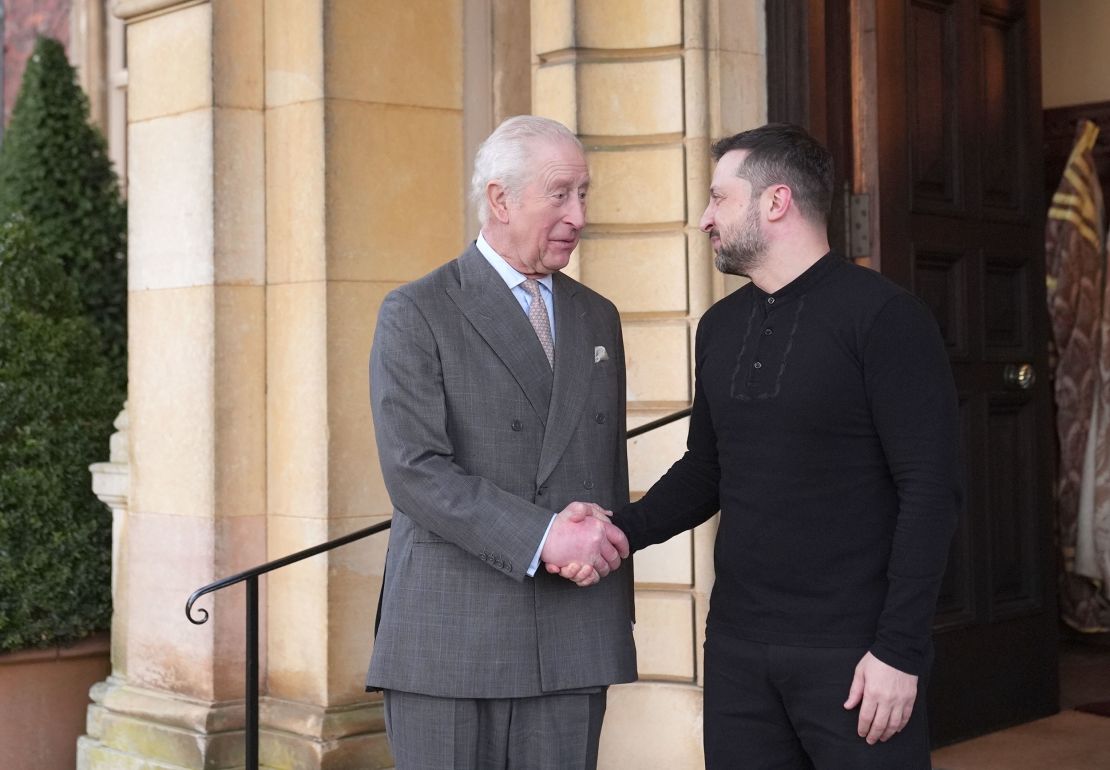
(24, 21)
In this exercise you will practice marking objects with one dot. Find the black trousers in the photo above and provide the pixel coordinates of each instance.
(775, 707)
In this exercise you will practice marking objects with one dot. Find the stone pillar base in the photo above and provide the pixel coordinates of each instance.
(131, 728)
(299, 735)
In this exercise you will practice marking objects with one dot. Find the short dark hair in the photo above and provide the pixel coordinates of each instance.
(782, 153)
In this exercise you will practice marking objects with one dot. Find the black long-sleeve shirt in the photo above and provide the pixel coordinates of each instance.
(824, 428)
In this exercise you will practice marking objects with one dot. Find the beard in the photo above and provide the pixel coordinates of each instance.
(742, 252)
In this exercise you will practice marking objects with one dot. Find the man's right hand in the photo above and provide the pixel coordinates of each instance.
(582, 535)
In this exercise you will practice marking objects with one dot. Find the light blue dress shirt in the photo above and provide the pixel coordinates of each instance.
(515, 281)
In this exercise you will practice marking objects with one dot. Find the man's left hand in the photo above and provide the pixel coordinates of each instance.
(885, 696)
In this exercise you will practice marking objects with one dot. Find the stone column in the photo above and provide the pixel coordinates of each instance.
(364, 191)
(646, 84)
(112, 484)
(197, 508)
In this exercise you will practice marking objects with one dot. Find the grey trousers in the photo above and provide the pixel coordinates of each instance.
(550, 732)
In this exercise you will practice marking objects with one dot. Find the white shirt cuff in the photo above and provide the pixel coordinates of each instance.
(536, 559)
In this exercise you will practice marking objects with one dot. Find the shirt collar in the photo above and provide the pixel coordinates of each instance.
(508, 273)
(799, 285)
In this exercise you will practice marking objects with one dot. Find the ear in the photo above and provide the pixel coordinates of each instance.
(497, 196)
(781, 198)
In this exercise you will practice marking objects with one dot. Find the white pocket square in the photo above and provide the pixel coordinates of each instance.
(600, 354)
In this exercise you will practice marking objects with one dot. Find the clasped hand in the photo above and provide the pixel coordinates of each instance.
(583, 545)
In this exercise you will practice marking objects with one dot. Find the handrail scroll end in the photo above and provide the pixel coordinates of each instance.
(202, 613)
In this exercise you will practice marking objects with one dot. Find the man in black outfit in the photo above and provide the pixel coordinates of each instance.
(824, 429)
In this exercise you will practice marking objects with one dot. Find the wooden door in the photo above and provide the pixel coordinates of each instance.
(945, 137)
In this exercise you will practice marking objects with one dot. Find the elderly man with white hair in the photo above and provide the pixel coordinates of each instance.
(498, 393)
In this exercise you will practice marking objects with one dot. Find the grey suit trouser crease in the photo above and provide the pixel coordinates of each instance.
(550, 732)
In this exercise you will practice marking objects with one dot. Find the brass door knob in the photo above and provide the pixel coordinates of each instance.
(1021, 376)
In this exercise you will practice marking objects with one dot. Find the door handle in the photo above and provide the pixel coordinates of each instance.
(1020, 376)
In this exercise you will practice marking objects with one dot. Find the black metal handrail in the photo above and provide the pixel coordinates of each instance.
(250, 577)
(640, 430)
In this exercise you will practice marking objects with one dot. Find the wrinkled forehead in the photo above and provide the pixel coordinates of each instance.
(550, 158)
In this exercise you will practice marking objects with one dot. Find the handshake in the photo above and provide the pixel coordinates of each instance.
(583, 545)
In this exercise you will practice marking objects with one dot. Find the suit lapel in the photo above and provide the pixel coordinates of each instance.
(491, 308)
(573, 362)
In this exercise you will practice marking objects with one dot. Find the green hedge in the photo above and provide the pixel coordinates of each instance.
(55, 170)
(59, 400)
(62, 358)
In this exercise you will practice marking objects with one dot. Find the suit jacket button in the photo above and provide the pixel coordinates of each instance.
(599, 417)
(508, 566)
(517, 425)
(542, 490)
(588, 484)
(483, 557)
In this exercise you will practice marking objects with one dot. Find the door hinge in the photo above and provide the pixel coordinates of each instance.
(857, 224)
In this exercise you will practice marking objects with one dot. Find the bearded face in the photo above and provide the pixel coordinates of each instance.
(742, 246)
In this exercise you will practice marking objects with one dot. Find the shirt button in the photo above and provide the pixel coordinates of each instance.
(767, 332)
(770, 300)
(599, 417)
(757, 365)
(517, 425)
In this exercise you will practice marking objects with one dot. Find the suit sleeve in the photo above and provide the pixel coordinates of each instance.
(688, 494)
(417, 459)
(914, 409)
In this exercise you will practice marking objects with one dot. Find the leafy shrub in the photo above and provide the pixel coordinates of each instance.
(58, 400)
(55, 170)
(62, 358)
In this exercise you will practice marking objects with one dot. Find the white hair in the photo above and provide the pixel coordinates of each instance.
(505, 156)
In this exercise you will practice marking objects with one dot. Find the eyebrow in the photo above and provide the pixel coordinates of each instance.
(561, 181)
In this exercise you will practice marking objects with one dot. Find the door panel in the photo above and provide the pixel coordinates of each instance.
(940, 279)
(1003, 114)
(933, 121)
(1015, 580)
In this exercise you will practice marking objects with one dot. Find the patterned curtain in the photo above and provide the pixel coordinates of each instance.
(1075, 266)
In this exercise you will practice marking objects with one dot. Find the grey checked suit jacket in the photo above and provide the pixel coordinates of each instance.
(479, 445)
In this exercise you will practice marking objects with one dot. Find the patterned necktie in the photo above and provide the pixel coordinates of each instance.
(537, 314)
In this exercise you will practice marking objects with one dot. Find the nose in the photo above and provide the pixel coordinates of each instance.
(705, 224)
(576, 213)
